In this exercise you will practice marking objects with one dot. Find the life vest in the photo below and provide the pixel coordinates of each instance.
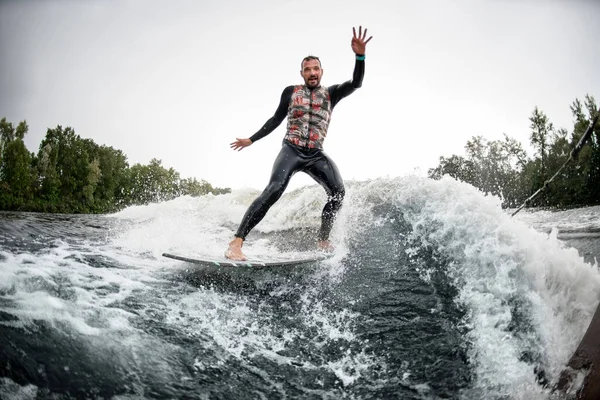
(308, 117)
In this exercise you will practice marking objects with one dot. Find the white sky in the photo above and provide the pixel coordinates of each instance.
(180, 80)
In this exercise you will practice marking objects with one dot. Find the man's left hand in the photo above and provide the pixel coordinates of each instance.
(359, 44)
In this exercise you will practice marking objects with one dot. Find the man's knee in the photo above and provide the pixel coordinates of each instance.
(273, 192)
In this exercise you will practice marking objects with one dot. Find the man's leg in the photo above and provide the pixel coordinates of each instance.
(286, 164)
(326, 173)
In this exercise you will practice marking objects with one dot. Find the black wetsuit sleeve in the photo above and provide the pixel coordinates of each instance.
(338, 92)
(280, 114)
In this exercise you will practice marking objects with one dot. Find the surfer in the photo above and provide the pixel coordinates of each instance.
(308, 109)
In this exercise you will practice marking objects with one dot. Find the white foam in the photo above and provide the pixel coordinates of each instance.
(495, 260)
(565, 220)
(13, 391)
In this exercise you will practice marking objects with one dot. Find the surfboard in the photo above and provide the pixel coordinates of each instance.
(252, 264)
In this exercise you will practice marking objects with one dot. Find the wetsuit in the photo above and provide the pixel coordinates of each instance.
(308, 111)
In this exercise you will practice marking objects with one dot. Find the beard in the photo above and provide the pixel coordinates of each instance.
(312, 82)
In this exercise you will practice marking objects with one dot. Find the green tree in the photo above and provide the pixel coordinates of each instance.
(193, 187)
(75, 175)
(493, 167)
(564, 187)
(67, 180)
(93, 178)
(152, 183)
(110, 191)
(455, 166)
(49, 192)
(15, 167)
(588, 161)
(503, 168)
(541, 128)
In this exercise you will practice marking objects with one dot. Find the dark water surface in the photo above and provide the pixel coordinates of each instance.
(421, 303)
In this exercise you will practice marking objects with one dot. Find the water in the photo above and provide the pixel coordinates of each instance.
(434, 293)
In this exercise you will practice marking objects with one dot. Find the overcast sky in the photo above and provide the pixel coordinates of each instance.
(180, 80)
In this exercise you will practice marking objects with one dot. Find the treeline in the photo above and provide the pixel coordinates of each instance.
(503, 168)
(70, 174)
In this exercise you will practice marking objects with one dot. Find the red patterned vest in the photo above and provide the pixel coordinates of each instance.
(308, 117)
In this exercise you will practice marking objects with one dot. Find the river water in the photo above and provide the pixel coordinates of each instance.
(434, 292)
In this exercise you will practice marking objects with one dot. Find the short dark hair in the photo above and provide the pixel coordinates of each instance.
(307, 58)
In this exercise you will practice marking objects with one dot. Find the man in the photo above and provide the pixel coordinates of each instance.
(308, 108)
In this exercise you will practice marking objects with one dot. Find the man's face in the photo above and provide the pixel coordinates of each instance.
(311, 72)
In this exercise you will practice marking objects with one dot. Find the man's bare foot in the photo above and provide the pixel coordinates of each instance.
(234, 252)
(325, 245)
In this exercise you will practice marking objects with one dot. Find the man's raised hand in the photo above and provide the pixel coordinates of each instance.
(359, 44)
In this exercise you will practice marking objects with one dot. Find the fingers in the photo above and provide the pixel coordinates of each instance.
(361, 35)
(239, 144)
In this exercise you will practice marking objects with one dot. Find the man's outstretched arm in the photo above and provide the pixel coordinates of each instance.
(271, 124)
(359, 47)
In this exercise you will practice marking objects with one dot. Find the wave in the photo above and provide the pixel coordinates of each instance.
(434, 292)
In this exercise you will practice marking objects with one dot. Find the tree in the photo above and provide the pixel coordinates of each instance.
(152, 183)
(15, 166)
(110, 191)
(455, 166)
(67, 172)
(541, 128)
(49, 180)
(193, 187)
(588, 162)
(494, 167)
(75, 175)
(502, 167)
